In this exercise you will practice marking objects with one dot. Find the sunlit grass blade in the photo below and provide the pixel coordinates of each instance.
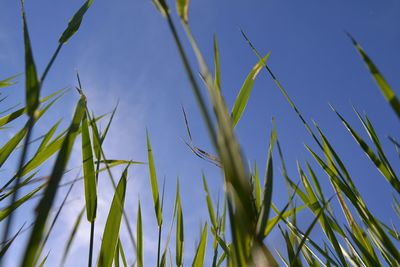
(8, 81)
(122, 252)
(75, 22)
(72, 235)
(384, 170)
(9, 209)
(88, 172)
(154, 184)
(139, 238)
(47, 201)
(244, 94)
(210, 206)
(182, 7)
(217, 67)
(268, 186)
(112, 228)
(383, 85)
(198, 260)
(44, 260)
(32, 84)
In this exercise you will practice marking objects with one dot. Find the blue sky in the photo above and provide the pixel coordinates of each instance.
(124, 51)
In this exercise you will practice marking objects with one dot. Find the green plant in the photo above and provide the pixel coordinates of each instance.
(361, 239)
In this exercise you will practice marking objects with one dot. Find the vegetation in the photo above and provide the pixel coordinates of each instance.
(238, 228)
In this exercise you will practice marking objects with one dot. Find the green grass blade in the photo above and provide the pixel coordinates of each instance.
(8, 210)
(32, 84)
(268, 186)
(179, 230)
(75, 22)
(111, 230)
(50, 192)
(154, 184)
(6, 246)
(182, 7)
(139, 238)
(383, 85)
(8, 81)
(244, 94)
(198, 260)
(88, 172)
(72, 235)
(217, 67)
(210, 207)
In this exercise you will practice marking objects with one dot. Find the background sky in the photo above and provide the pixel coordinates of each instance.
(124, 52)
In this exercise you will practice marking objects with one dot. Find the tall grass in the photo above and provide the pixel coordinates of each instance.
(238, 228)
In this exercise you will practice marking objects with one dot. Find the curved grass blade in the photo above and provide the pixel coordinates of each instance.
(244, 93)
(111, 230)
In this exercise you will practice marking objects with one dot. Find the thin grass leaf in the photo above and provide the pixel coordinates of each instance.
(88, 172)
(72, 235)
(383, 169)
(44, 260)
(6, 246)
(179, 230)
(268, 186)
(113, 223)
(210, 207)
(383, 85)
(244, 94)
(121, 250)
(217, 67)
(153, 181)
(198, 260)
(5, 212)
(139, 238)
(75, 22)
(8, 81)
(32, 84)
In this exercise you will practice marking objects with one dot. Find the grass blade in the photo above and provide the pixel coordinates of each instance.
(75, 22)
(139, 238)
(111, 230)
(244, 93)
(51, 190)
(88, 172)
(201, 249)
(383, 85)
(154, 184)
